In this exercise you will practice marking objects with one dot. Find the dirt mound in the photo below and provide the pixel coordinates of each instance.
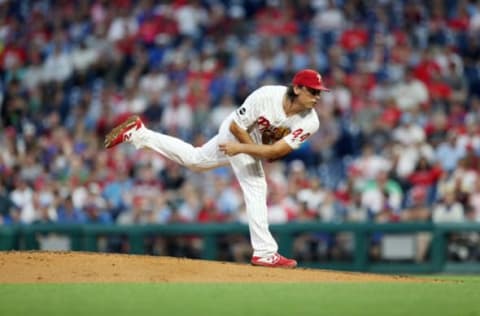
(82, 267)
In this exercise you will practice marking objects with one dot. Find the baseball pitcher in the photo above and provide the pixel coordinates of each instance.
(272, 121)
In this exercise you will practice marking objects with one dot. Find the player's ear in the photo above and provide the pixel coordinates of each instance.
(296, 89)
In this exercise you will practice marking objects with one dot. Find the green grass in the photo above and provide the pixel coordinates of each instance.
(350, 299)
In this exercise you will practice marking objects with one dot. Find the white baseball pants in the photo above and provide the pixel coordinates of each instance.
(247, 169)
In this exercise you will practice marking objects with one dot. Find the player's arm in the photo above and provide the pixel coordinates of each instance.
(247, 146)
(271, 152)
(240, 134)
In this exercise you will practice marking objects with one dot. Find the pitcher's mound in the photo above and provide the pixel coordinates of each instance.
(76, 267)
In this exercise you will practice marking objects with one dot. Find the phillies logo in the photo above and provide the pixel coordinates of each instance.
(264, 125)
(319, 78)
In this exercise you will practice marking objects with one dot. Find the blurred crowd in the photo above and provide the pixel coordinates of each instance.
(399, 138)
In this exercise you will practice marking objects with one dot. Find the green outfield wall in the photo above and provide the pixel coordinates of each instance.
(85, 238)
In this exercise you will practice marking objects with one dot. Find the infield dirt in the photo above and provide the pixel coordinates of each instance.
(84, 267)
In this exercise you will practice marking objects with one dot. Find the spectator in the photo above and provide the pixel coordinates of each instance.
(382, 191)
(448, 154)
(67, 213)
(22, 196)
(425, 177)
(45, 212)
(7, 207)
(209, 212)
(140, 213)
(369, 164)
(411, 93)
(449, 210)
(281, 208)
(355, 210)
(473, 202)
(417, 209)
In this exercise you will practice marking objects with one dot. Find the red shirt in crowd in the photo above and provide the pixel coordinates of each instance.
(425, 177)
(352, 39)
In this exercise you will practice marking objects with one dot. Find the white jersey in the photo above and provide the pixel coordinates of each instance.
(263, 111)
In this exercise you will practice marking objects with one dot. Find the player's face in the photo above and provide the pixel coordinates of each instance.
(309, 96)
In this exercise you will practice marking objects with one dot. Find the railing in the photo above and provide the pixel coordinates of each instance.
(84, 238)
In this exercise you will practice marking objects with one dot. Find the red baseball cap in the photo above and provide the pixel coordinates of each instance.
(309, 78)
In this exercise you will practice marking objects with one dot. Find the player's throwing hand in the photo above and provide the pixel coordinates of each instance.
(230, 148)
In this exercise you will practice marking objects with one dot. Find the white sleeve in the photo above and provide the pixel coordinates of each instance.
(300, 133)
(247, 114)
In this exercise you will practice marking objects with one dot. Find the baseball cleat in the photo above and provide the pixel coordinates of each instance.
(274, 261)
(123, 132)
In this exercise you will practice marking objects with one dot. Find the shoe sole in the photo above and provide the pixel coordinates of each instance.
(117, 130)
(272, 266)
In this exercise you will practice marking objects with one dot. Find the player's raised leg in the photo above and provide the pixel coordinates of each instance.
(133, 131)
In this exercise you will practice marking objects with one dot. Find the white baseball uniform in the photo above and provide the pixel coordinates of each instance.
(262, 110)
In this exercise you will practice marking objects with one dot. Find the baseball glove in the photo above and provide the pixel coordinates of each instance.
(271, 136)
